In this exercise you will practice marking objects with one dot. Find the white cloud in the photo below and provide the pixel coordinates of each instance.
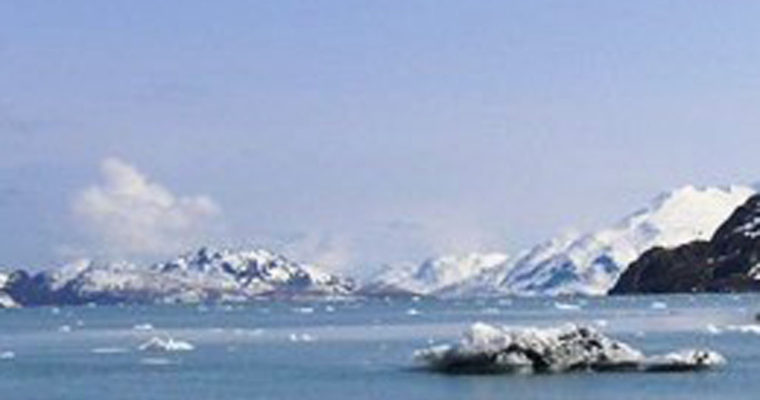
(128, 215)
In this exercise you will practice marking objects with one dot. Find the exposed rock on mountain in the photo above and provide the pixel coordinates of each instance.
(728, 262)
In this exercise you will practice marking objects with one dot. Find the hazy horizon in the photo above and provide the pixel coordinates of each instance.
(353, 135)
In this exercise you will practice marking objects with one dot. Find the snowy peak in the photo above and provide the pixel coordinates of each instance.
(257, 270)
(204, 275)
(433, 274)
(591, 264)
(728, 262)
(685, 214)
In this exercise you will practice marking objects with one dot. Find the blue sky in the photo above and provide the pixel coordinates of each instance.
(357, 133)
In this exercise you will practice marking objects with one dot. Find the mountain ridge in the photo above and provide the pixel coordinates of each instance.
(728, 262)
(591, 263)
(200, 276)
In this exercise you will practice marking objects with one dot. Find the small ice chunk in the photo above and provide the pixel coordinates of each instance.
(305, 337)
(412, 311)
(156, 361)
(566, 306)
(143, 327)
(753, 328)
(658, 305)
(301, 337)
(684, 360)
(304, 310)
(7, 355)
(714, 330)
(109, 350)
(64, 328)
(168, 344)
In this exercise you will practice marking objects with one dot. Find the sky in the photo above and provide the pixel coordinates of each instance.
(353, 134)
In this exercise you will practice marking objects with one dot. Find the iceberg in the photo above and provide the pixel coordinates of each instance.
(487, 349)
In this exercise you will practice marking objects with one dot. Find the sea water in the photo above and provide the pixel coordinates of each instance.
(358, 349)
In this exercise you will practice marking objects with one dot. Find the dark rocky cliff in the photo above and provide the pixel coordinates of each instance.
(729, 262)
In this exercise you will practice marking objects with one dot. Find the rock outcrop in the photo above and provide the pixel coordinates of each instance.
(728, 262)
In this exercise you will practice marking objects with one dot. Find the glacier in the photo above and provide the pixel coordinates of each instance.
(432, 275)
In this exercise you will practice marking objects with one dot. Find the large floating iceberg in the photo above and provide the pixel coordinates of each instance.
(490, 349)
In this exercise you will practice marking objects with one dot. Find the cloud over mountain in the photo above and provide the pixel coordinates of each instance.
(127, 214)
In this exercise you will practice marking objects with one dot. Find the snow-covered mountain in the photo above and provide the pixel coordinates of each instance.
(204, 275)
(587, 264)
(432, 275)
(6, 301)
(728, 262)
(590, 264)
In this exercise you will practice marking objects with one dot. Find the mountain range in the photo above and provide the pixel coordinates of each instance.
(582, 264)
(201, 276)
(569, 264)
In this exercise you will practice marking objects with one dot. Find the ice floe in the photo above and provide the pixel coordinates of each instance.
(7, 355)
(490, 349)
(567, 306)
(109, 350)
(158, 344)
(711, 328)
(143, 327)
(753, 328)
(156, 361)
(301, 337)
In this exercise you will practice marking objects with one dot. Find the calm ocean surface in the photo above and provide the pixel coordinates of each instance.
(358, 349)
